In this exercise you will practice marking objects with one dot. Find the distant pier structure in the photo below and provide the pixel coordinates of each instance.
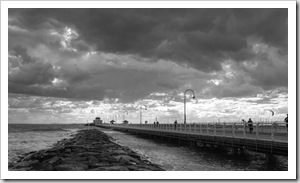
(98, 120)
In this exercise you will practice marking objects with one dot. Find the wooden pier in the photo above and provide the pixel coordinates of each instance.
(269, 138)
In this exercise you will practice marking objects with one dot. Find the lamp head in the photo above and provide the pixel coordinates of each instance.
(194, 97)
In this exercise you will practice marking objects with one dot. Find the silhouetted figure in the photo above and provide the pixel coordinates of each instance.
(286, 121)
(250, 125)
(175, 124)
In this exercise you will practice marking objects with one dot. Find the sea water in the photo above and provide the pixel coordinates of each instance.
(24, 138)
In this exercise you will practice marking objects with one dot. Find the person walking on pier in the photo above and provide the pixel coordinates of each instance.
(157, 124)
(250, 125)
(286, 121)
(175, 124)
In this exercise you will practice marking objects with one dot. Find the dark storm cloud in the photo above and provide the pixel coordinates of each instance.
(205, 35)
(268, 24)
(193, 38)
(29, 71)
(22, 52)
(270, 72)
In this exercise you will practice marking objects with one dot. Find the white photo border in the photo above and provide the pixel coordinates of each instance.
(290, 174)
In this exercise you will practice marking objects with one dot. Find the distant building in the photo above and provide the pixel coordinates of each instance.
(112, 122)
(125, 122)
(97, 120)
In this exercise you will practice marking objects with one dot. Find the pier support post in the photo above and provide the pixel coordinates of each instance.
(257, 132)
(244, 130)
(270, 160)
(242, 151)
(200, 128)
(235, 151)
(215, 129)
(272, 131)
(207, 132)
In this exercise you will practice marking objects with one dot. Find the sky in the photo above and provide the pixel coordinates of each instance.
(72, 65)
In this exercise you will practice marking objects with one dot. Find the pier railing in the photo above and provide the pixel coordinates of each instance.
(267, 131)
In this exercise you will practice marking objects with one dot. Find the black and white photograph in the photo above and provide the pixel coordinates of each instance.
(158, 90)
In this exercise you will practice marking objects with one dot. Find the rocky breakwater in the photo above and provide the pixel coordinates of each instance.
(88, 150)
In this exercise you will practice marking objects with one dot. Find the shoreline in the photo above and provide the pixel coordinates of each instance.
(87, 150)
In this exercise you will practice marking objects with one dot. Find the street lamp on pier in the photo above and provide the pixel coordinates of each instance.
(141, 113)
(124, 114)
(184, 121)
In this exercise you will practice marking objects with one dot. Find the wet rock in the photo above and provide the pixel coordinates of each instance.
(92, 159)
(88, 154)
(90, 150)
(78, 150)
(119, 152)
(76, 146)
(116, 168)
(71, 167)
(135, 168)
(54, 160)
(23, 164)
(124, 158)
(100, 164)
(23, 169)
(75, 158)
(108, 145)
(98, 169)
(44, 166)
(68, 151)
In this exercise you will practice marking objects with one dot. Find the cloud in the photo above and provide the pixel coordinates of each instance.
(268, 24)
(128, 54)
(206, 34)
(269, 70)
(96, 76)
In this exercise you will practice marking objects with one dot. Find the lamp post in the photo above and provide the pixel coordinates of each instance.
(185, 103)
(141, 113)
(124, 114)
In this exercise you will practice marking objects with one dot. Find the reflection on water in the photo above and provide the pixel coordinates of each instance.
(180, 158)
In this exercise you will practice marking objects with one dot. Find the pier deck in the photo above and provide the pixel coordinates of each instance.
(265, 138)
